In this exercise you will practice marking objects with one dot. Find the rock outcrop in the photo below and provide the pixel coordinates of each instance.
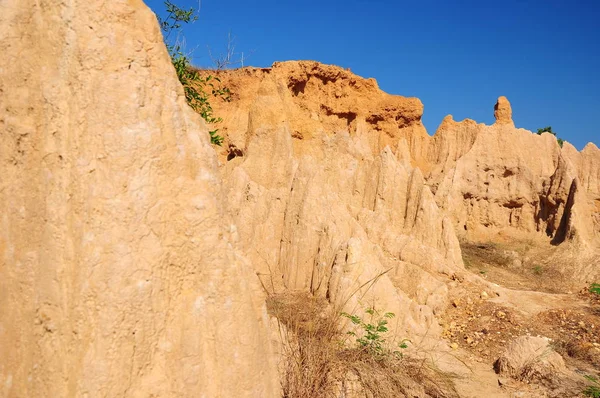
(487, 177)
(314, 176)
(531, 359)
(498, 182)
(322, 165)
(495, 185)
(119, 273)
(503, 111)
(587, 165)
(318, 100)
(132, 255)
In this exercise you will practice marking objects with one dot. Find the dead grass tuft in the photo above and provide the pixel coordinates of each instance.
(319, 362)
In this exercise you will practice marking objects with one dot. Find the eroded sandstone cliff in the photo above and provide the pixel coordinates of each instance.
(313, 178)
(492, 182)
(503, 179)
(134, 260)
(119, 269)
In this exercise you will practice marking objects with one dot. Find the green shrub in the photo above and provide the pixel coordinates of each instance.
(548, 129)
(371, 335)
(593, 390)
(538, 270)
(198, 90)
(595, 288)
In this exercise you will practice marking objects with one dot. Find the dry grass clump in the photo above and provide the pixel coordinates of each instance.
(309, 336)
(321, 362)
(581, 350)
(365, 376)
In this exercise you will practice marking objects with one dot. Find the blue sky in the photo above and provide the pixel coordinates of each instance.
(456, 56)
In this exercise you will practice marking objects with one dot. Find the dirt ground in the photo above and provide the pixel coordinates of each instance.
(514, 295)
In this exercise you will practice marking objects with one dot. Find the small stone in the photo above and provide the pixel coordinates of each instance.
(501, 314)
(454, 346)
(484, 295)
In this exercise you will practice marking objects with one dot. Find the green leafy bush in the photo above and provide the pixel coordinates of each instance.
(198, 90)
(595, 288)
(548, 129)
(371, 335)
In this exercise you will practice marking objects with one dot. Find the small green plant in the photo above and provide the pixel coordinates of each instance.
(198, 90)
(538, 270)
(371, 335)
(593, 390)
(467, 262)
(548, 129)
(595, 288)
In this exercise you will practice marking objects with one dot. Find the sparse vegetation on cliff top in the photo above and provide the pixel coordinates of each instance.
(198, 90)
(548, 129)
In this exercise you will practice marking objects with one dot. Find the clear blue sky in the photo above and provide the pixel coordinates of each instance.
(456, 56)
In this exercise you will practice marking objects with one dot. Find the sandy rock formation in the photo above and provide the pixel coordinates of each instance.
(319, 100)
(316, 181)
(120, 252)
(485, 178)
(587, 165)
(323, 167)
(530, 359)
(503, 111)
(119, 274)
(490, 182)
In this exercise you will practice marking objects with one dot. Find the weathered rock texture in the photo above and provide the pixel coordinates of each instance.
(313, 177)
(320, 100)
(502, 183)
(499, 179)
(120, 265)
(530, 359)
(503, 111)
(312, 124)
(119, 275)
